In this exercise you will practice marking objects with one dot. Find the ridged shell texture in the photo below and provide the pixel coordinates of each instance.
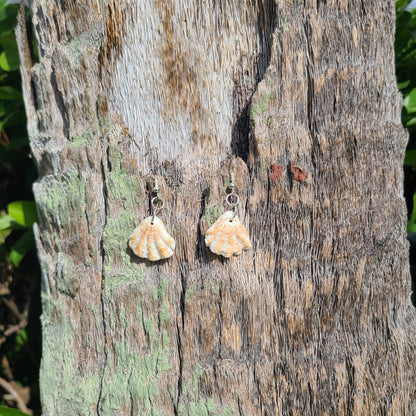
(151, 241)
(227, 236)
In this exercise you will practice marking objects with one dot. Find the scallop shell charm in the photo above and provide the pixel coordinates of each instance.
(227, 236)
(151, 241)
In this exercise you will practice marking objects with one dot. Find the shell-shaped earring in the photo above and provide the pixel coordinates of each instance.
(150, 240)
(227, 236)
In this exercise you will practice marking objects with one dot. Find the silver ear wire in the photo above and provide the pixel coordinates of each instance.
(232, 198)
(232, 185)
(156, 186)
(155, 200)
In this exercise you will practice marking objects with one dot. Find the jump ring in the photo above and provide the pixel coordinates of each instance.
(230, 202)
(153, 202)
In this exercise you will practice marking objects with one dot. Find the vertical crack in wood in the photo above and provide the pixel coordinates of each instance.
(102, 251)
(131, 395)
(240, 410)
(266, 24)
(182, 298)
(310, 92)
(60, 104)
(240, 133)
(200, 242)
(257, 382)
(220, 318)
(26, 63)
(180, 377)
(179, 340)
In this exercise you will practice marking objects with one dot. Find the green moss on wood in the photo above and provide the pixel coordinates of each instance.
(61, 381)
(86, 138)
(262, 104)
(212, 214)
(136, 375)
(190, 291)
(67, 281)
(192, 404)
(215, 286)
(62, 197)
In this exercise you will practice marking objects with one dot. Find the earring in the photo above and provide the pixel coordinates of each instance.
(227, 236)
(150, 239)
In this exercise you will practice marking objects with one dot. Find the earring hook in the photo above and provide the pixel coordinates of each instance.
(232, 199)
(157, 203)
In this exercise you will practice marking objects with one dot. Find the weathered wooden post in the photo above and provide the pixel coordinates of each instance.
(299, 100)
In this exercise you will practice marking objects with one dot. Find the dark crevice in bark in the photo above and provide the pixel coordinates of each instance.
(240, 410)
(240, 134)
(131, 396)
(35, 99)
(60, 104)
(319, 4)
(289, 177)
(200, 243)
(350, 377)
(182, 300)
(310, 95)
(311, 126)
(102, 251)
(41, 19)
(220, 318)
(179, 340)
(257, 383)
(180, 377)
(266, 24)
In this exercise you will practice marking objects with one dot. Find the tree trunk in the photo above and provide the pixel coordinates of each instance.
(299, 100)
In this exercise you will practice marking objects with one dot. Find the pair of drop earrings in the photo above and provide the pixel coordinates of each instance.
(226, 237)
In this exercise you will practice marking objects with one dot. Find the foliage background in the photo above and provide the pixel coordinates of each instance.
(20, 341)
(405, 48)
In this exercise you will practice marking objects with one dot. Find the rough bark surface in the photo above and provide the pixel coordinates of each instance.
(299, 100)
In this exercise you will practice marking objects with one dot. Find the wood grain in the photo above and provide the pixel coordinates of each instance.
(316, 318)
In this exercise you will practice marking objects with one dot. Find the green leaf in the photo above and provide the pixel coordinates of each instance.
(20, 340)
(17, 118)
(9, 107)
(9, 59)
(17, 142)
(9, 12)
(19, 249)
(401, 5)
(400, 85)
(3, 235)
(24, 212)
(7, 22)
(6, 411)
(410, 158)
(411, 225)
(411, 228)
(7, 39)
(410, 102)
(6, 222)
(411, 122)
(10, 93)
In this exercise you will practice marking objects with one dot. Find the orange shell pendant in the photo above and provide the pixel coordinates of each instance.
(151, 241)
(227, 236)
